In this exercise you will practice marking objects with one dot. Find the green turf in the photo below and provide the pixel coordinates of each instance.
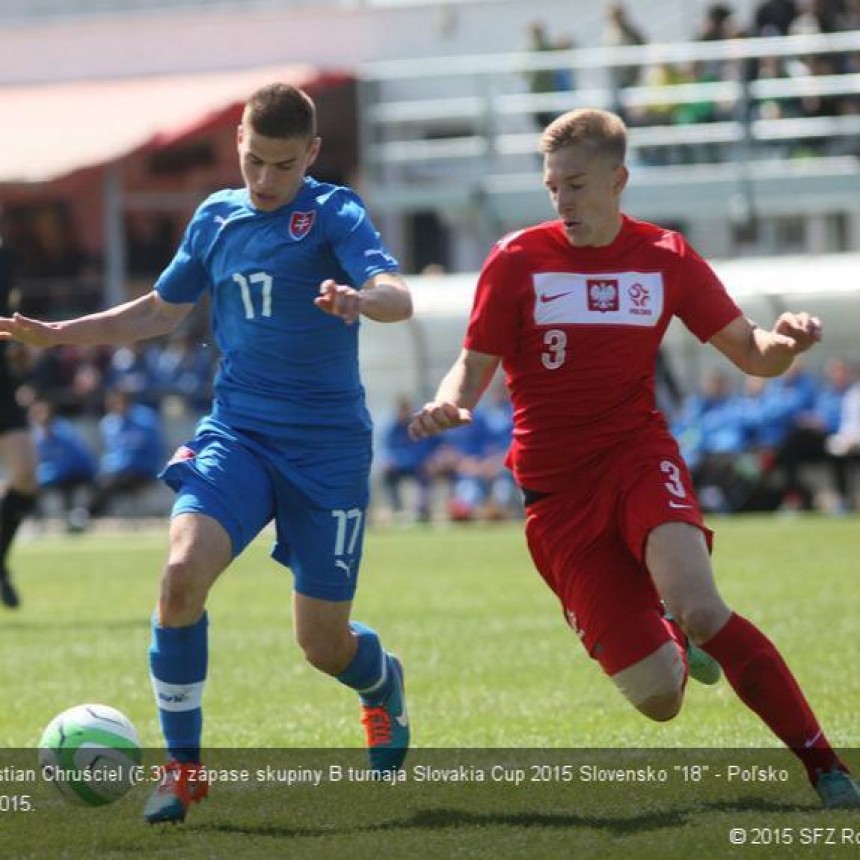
(489, 664)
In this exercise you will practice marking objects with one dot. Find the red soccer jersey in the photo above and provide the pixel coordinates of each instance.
(578, 331)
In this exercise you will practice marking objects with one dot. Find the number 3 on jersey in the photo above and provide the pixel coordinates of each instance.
(250, 286)
(555, 341)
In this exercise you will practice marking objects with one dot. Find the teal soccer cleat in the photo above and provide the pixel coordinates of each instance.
(386, 725)
(838, 790)
(703, 667)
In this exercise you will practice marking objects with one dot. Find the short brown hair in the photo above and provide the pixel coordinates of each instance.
(600, 130)
(281, 110)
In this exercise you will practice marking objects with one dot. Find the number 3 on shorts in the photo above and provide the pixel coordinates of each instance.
(673, 482)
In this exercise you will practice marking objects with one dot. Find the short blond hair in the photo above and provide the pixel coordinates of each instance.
(602, 131)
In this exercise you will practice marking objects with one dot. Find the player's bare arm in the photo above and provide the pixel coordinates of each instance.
(148, 316)
(760, 352)
(383, 298)
(458, 393)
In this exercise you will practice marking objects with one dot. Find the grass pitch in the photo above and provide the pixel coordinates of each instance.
(498, 686)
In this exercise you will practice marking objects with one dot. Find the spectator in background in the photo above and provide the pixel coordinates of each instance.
(658, 111)
(780, 402)
(88, 380)
(776, 107)
(774, 17)
(500, 495)
(473, 457)
(132, 368)
(184, 369)
(564, 79)
(850, 19)
(714, 435)
(805, 440)
(72, 378)
(771, 18)
(404, 459)
(817, 16)
(718, 25)
(619, 31)
(65, 463)
(542, 81)
(132, 449)
(844, 448)
(16, 444)
(459, 460)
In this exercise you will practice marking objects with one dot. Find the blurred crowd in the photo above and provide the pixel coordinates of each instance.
(720, 22)
(89, 478)
(787, 444)
(174, 373)
(124, 397)
(460, 474)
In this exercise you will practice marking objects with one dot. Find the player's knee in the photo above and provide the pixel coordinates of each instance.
(701, 622)
(655, 684)
(322, 652)
(183, 593)
(662, 708)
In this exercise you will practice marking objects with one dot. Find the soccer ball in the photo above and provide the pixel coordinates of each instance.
(91, 753)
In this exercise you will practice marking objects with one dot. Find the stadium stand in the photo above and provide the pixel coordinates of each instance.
(748, 143)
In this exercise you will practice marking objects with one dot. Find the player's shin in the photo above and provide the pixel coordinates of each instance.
(765, 684)
(178, 660)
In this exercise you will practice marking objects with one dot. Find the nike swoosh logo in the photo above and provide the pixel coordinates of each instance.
(403, 717)
(546, 297)
(677, 505)
(812, 740)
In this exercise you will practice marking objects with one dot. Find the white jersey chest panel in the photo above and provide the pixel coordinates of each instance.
(603, 298)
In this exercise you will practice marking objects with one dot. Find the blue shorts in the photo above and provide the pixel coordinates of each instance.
(243, 489)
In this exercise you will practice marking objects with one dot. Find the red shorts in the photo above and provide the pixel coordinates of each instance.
(588, 543)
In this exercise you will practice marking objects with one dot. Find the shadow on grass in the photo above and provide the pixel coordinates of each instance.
(76, 624)
(450, 818)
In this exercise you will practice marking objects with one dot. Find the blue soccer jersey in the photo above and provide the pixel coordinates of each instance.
(288, 374)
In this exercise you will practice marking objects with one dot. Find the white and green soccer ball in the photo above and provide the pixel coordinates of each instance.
(91, 754)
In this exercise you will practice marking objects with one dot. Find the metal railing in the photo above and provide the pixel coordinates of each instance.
(454, 111)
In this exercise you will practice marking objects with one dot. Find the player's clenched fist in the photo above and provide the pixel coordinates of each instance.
(339, 301)
(435, 417)
(802, 330)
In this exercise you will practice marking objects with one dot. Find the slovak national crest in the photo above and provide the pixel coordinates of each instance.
(301, 223)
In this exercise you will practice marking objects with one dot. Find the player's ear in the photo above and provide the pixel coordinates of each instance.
(314, 149)
(619, 180)
(240, 134)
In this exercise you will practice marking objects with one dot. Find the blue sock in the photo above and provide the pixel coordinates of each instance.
(177, 661)
(368, 673)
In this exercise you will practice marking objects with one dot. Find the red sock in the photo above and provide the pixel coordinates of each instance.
(764, 683)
